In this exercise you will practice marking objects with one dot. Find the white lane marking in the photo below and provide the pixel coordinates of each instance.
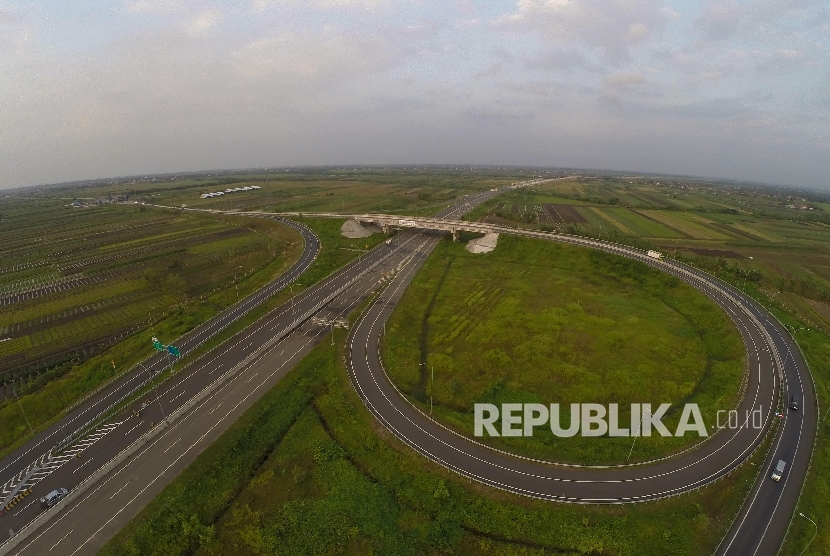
(196, 335)
(24, 507)
(135, 427)
(388, 425)
(148, 485)
(119, 490)
(84, 463)
(178, 396)
(173, 444)
(60, 541)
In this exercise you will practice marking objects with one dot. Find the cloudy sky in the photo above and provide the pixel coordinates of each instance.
(729, 88)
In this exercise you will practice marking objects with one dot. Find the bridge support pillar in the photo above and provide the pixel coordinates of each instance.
(455, 234)
(386, 229)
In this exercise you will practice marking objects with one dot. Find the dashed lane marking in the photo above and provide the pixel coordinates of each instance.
(119, 490)
(173, 444)
(84, 463)
(60, 541)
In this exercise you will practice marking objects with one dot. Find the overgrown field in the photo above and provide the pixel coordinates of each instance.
(307, 470)
(537, 321)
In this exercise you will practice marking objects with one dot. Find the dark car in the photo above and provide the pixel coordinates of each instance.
(794, 403)
(53, 497)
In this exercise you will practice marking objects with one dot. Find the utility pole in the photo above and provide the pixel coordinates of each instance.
(769, 307)
(31, 430)
(291, 287)
(431, 388)
(814, 534)
(635, 439)
(155, 390)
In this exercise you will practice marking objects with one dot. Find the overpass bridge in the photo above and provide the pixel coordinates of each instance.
(388, 222)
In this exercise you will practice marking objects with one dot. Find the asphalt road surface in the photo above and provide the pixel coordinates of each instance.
(36, 452)
(253, 360)
(246, 366)
(760, 526)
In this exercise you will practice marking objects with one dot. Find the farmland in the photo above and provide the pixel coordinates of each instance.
(389, 190)
(786, 246)
(89, 275)
(77, 281)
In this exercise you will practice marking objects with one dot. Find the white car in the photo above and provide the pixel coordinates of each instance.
(779, 470)
(53, 497)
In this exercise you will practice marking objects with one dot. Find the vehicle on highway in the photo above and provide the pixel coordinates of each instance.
(794, 403)
(53, 497)
(779, 470)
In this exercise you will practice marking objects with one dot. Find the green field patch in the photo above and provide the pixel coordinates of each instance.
(233, 245)
(678, 221)
(603, 222)
(643, 226)
(568, 325)
(186, 228)
(68, 302)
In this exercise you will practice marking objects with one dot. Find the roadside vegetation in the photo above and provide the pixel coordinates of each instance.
(543, 322)
(48, 402)
(76, 281)
(771, 243)
(315, 454)
(175, 287)
(307, 470)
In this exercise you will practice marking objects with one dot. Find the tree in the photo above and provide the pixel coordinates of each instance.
(175, 285)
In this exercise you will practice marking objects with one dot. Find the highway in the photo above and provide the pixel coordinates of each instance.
(37, 451)
(137, 456)
(760, 526)
(204, 398)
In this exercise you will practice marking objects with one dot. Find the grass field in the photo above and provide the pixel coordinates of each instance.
(306, 470)
(548, 323)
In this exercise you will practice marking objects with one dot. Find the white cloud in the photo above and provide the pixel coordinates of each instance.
(611, 27)
(203, 22)
(172, 86)
(624, 80)
(312, 58)
(156, 6)
(369, 5)
(637, 32)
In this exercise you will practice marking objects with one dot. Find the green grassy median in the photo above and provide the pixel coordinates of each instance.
(542, 322)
